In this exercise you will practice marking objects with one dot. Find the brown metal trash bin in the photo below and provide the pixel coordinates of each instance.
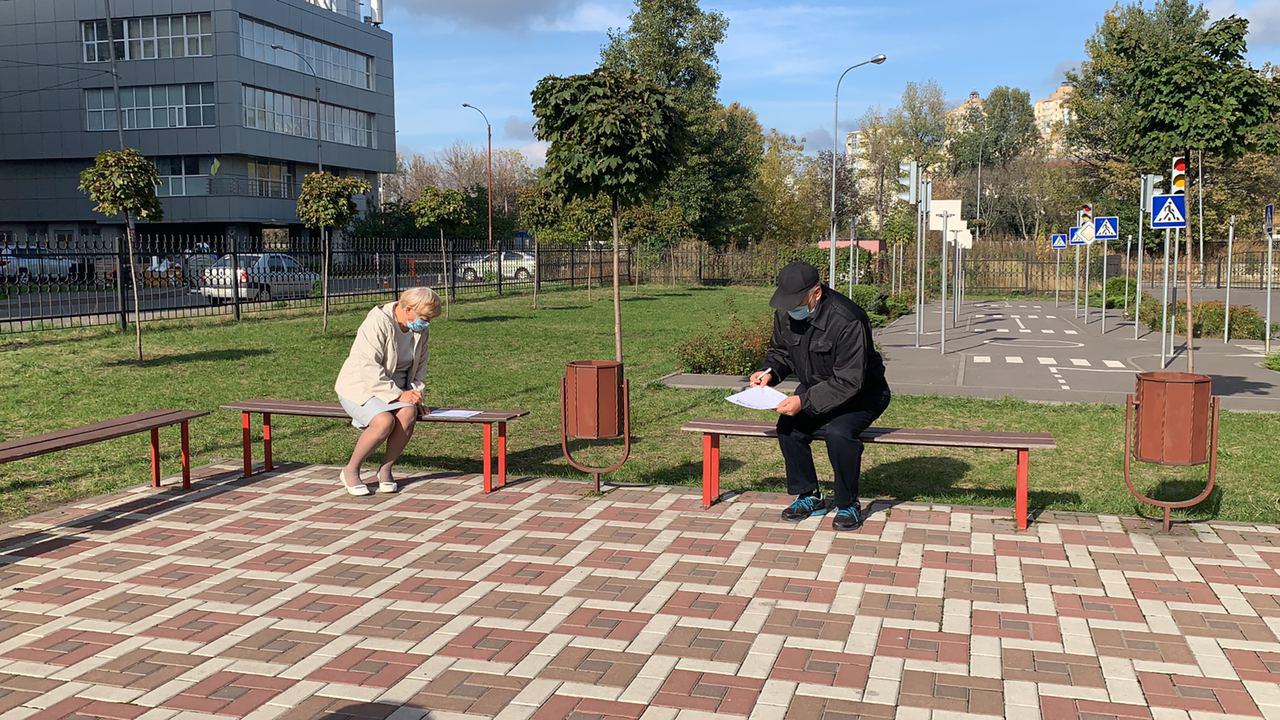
(593, 399)
(1171, 419)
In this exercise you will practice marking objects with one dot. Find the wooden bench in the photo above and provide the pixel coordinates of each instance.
(489, 419)
(1022, 443)
(22, 448)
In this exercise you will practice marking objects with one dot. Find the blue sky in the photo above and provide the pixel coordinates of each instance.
(781, 58)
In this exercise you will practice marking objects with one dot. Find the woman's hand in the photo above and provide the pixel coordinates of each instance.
(412, 397)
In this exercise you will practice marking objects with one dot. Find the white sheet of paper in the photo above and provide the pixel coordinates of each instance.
(460, 414)
(758, 398)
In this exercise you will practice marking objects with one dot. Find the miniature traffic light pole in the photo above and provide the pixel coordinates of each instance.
(1178, 186)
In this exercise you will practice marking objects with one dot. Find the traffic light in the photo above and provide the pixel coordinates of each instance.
(909, 179)
(1150, 188)
(1086, 216)
(1178, 176)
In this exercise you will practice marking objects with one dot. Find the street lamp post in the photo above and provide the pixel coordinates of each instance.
(835, 144)
(489, 129)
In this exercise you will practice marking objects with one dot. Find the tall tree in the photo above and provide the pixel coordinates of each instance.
(1160, 82)
(326, 203)
(611, 133)
(878, 164)
(920, 123)
(442, 209)
(123, 182)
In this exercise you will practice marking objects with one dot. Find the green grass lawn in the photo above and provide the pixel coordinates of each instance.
(503, 353)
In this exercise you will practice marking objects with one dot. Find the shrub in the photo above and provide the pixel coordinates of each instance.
(877, 320)
(1273, 361)
(869, 298)
(736, 350)
(899, 304)
(1117, 288)
(1208, 318)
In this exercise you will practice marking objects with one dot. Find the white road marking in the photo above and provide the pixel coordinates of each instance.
(1051, 317)
(982, 359)
(1113, 363)
(1024, 330)
(1013, 359)
(1070, 332)
(1047, 331)
(1047, 361)
(1080, 362)
(1033, 317)
(1019, 321)
(1003, 330)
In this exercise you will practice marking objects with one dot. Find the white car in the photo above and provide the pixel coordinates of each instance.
(25, 265)
(515, 266)
(262, 276)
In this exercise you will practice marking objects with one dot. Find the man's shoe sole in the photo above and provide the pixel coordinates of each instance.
(799, 518)
(838, 528)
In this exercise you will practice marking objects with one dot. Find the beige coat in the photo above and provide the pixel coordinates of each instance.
(370, 367)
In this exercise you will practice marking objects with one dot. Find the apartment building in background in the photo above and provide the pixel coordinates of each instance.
(220, 94)
(1052, 116)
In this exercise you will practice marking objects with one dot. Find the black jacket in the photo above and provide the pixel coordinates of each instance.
(831, 354)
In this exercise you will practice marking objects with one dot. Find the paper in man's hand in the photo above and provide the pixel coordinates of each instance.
(758, 398)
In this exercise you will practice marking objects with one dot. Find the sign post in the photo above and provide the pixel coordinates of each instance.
(1226, 310)
(1058, 243)
(942, 318)
(1128, 247)
(1271, 285)
(1104, 229)
(1073, 237)
(1167, 212)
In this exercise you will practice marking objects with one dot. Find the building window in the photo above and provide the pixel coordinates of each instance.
(152, 106)
(150, 38)
(292, 115)
(329, 61)
(182, 176)
(349, 8)
(270, 179)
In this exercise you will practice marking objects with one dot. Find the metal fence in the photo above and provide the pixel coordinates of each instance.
(53, 286)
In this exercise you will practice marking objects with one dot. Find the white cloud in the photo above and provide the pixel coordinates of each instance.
(517, 15)
(535, 152)
(794, 40)
(591, 17)
(1263, 16)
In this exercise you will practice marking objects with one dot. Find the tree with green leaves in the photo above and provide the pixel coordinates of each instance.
(920, 123)
(1163, 81)
(443, 209)
(878, 166)
(611, 133)
(328, 202)
(123, 182)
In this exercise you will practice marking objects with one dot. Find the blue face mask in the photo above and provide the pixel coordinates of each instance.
(801, 313)
(419, 325)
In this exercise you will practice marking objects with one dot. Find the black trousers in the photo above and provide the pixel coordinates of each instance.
(841, 430)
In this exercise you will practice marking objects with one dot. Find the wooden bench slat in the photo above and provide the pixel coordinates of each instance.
(94, 433)
(897, 436)
(305, 408)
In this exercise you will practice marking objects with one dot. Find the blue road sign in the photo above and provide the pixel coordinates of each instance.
(1073, 236)
(1106, 228)
(1168, 212)
(1058, 242)
(1269, 219)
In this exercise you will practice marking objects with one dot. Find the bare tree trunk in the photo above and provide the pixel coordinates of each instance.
(447, 276)
(324, 281)
(537, 271)
(131, 238)
(617, 292)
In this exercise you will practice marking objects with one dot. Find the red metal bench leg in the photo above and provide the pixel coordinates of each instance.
(186, 457)
(155, 457)
(266, 442)
(248, 449)
(502, 455)
(710, 469)
(488, 457)
(1020, 510)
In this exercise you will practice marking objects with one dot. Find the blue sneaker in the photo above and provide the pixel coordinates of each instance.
(847, 518)
(803, 507)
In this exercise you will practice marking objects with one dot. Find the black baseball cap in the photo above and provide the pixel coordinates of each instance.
(794, 283)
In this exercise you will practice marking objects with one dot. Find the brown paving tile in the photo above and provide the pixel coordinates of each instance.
(317, 607)
(424, 588)
(541, 547)
(197, 626)
(12, 575)
(368, 668)
(594, 666)
(877, 574)
(937, 537)
(403, 525)
(243, 591)
(476, 536)
(709, 692)
(798, 589)
(1172, 591)
(687, 571)
(285, 562)
(701, 547)
(1098, 607)
(620, 559)
(1030, 550)
(198, 516)
(606, 624)
(624, 535)
(237, 498)
(276, 645)
(328, 708)
(126, 607)
(936, 691)
(217, 549)
(923, 645)
(1069, 709)
(602, 587)
(424, 506)
(114, 561)
(962, 561)
(492, 644)
(62, 591)
(1057, 576)
(475, 694)
(776, 559)
(353, 575)
(1260, 666)
(810, 707)
(527, 573)
(314, 537)
(142, 669)
(253, 526)
(78, 708)
(1129, 562)
(378, 548)
(1222, 626)
(446, 560)
(66, 647)
(511, 605)
(175, 576)
(780, 536)
(552, 524)
(228, 693)
(918, 516)
(984, 591)
(712, 606)
(808, 623)
(860, 547)
(1264, 604)
(568, 707)
(1040, 666)
(1248, 576)
(843, 670)
(1016, 625)
(1138, 645)
(344, 515)
(13, 624)
(1095, 539)
(700, 524)
(707, 644)
(901, 607)
(621, 513)
(1185, 692)
(401, 625)
(55, 548)
(159, 536)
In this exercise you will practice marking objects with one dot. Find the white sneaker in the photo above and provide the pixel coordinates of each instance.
(357, 490)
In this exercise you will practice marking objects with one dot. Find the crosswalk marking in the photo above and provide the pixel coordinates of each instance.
(1013, 360)
(1047, 331)
(1113, 363)
(1047, 361)
(1070, 332)
(1024, 330)
(1033, 317)
(1080, 362)
(1051, 317)
(981, 359)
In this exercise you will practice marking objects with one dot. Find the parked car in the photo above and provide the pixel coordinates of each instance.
(515, 266)
(261, 277)
(36, 264)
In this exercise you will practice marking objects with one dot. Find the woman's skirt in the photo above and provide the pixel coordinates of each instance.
(362, 415)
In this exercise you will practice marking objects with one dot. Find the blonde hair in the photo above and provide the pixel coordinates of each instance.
(421, 300)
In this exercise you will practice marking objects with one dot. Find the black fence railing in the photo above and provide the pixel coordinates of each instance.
(44, 286)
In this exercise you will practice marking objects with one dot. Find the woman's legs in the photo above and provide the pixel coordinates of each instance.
(406, 419)
(379, 428)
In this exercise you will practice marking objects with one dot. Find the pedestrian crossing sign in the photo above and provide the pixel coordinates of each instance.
(1106, 228)
(1168, 212)
(1058, 242)
(1074, 237)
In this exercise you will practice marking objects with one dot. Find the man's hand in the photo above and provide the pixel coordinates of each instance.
(761, 378)
(790, 406)
(411, 396)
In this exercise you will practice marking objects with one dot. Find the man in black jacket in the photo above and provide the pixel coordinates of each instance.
(824, 338)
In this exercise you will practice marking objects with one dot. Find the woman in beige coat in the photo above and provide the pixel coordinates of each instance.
(380, 385)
